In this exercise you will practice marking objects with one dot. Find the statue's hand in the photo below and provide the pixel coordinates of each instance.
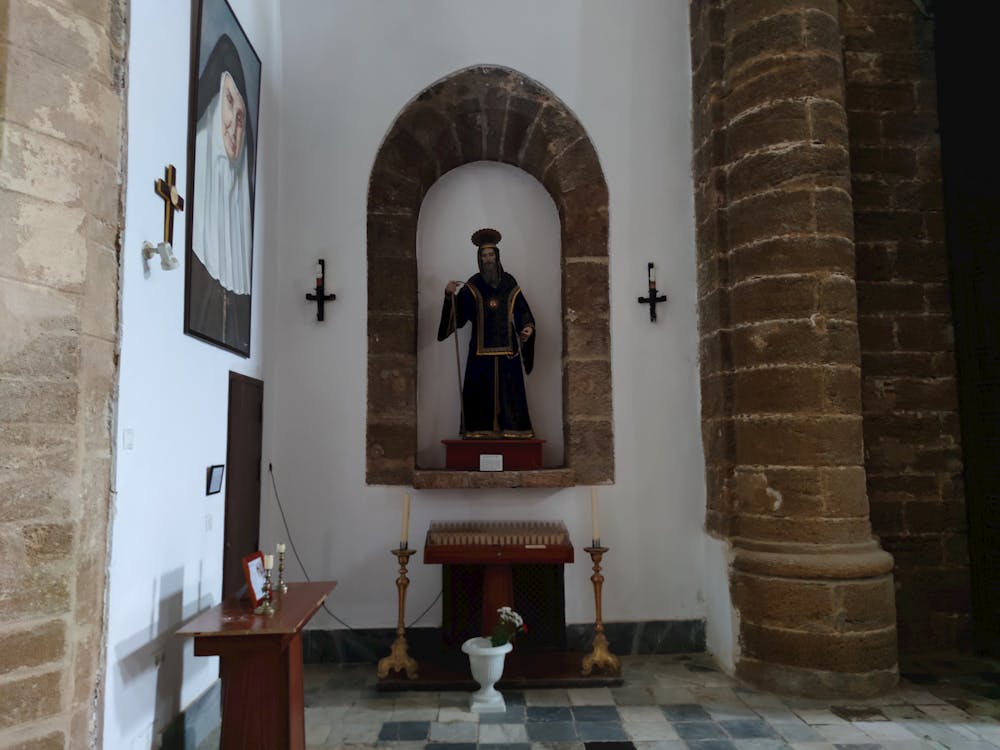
(526, 332)
(452, 288)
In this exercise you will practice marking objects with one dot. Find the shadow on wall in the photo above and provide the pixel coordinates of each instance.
(170, 668)
(158, 648)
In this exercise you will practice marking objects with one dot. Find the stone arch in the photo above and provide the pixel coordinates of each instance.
(495, 114)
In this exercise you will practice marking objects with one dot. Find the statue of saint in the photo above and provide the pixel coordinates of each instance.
(494, 404)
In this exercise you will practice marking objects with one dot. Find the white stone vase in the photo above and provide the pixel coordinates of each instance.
(486, 662)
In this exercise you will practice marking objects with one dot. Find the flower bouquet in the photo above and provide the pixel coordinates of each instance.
(508, 625)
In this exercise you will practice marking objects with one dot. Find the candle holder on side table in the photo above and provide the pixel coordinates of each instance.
(282, 586)
(265, 608)
(398, 658)
(600, 656)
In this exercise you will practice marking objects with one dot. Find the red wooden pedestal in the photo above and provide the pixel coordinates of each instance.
(519, 454)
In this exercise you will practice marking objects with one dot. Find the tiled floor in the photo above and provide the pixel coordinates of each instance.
(667, 703)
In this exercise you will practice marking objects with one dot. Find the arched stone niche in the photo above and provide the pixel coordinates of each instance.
(497, 114)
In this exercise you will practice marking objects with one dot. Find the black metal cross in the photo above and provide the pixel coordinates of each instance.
(320, 296)
(653, 297)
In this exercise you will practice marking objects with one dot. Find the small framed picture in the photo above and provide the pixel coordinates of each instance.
(253, 569)
(213, 481)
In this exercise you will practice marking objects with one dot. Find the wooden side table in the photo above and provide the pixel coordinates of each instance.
(261, 665)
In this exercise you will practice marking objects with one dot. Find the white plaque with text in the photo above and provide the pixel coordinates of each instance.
(490, 462)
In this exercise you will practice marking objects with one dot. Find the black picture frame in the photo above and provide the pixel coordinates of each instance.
(213, 479)
(222, 163)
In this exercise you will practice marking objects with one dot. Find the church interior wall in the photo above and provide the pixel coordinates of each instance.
(622, 72)
(167, 535)
(351, 67)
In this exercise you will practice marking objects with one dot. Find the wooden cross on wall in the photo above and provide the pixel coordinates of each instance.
(172, 201)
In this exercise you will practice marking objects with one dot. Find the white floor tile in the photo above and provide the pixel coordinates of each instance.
(649, 730)
(546, 698)
(595, 696)
(641, 713)
(502, 734)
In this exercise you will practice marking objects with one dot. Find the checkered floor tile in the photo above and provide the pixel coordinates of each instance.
(667, 703)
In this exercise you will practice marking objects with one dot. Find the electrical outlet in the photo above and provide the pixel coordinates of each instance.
(208, 522)
(128, 439)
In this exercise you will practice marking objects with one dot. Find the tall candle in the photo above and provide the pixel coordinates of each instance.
(594, 520)
(404, 536)
(268, 561)
(281, 548)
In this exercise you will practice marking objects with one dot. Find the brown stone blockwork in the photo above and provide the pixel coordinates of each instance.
(495, 114)
(912, 440)
(780, 358)
(60, 188)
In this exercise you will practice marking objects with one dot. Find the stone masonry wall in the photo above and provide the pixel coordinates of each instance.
(61, 117)
(910, 403)
(780, 359)
(715, 355)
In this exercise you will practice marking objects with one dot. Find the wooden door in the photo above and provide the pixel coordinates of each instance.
(964, 50)
(243, 473)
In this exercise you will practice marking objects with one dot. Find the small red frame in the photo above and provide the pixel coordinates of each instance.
(253, 570)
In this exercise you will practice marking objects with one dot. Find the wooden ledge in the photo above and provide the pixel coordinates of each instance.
(442, 479)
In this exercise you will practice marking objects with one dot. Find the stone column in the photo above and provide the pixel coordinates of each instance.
(61, 153)
(781, 374)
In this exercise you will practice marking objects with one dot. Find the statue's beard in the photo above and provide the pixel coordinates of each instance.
(491, 274)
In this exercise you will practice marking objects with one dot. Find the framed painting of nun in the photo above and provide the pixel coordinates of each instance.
(221, 175)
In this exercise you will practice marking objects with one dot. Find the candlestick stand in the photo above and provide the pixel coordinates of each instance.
(265, 608)
(282, 586)
(398, 658)
(601, 656)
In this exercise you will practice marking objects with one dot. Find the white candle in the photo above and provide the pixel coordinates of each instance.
(281, 549)
(652, 274)
(268, 562)
(595, 522)
(404, 535)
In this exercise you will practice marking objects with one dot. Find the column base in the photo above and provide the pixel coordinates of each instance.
(816, 620)
(815, 683)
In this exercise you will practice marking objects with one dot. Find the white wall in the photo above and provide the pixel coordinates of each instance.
(166, 545)
(723, 619)
(351, 66)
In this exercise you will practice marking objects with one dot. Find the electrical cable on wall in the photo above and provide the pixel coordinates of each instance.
(291, 541)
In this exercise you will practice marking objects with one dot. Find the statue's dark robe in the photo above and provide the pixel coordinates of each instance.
(493, 398)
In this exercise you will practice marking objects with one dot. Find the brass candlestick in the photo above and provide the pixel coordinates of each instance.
(282, 586)
(601, 656)
(398, 658)
(265, 608)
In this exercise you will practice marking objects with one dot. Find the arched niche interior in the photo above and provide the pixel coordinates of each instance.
(494, 114)
(487, 193)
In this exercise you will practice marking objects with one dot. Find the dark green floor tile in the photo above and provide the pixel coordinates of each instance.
(551, 731)
(699, 730)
